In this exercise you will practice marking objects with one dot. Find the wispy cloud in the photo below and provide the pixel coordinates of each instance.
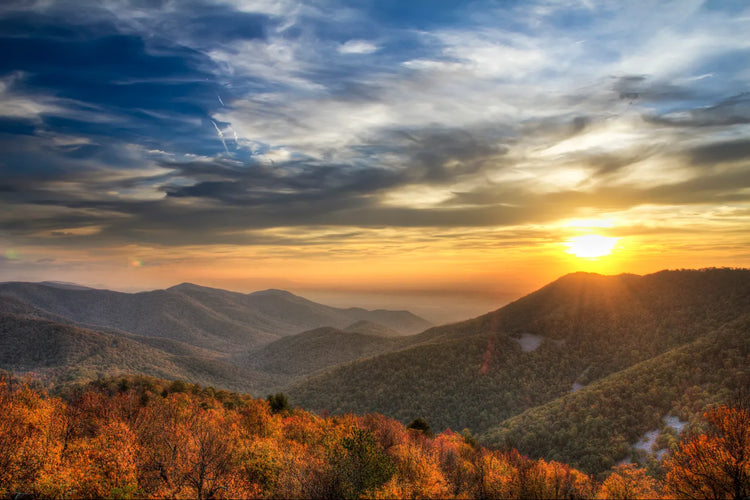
(336, 119)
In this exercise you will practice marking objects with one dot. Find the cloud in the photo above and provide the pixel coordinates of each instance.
(16, 105)
(357, 47)
(489, 120)
(720, 152)
(732, 111)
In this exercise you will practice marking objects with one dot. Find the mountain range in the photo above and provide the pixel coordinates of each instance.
(578, 371)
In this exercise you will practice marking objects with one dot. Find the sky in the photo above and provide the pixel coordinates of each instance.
(445, 157)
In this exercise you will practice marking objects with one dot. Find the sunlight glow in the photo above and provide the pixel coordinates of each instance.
(587, 223)
(590, 245)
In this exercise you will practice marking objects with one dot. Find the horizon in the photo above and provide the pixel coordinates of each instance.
(431, 156)
(436, 314)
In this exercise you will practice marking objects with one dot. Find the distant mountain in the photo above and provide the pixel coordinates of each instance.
(64, 353)
(205, 317)
(567, 335)
(9, 305)
(291, 314)
(65, 285)
(369, 328)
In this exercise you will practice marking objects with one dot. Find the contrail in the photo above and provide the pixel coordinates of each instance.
(219, 97)
(221, 136)
(236, 139)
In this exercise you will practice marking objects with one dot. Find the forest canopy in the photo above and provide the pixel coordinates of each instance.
(132, 437)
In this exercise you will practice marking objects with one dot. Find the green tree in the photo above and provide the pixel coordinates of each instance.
(421, 425)
(359, 466)
(278, 402)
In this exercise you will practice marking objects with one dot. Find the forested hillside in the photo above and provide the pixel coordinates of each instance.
(299, 355)
(612, 359)
(246, 342)
(569, 334)
(595, 427)
(59, 353)
(135, 437)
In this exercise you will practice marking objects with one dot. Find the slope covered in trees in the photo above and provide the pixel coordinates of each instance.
(478, 373)
(307, 352)
(142, 437)
(203, 334)
(60, 353)
(136, 437)
(560, 362)
(594, 428)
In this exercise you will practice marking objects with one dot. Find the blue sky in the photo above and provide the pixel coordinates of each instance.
(295, 134)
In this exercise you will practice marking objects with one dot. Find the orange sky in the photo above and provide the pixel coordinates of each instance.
(446, 276)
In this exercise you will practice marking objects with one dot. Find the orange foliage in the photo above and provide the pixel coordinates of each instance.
(628, 481)
(120, 440)
(715, 464)
(418, 473)
(31, 439)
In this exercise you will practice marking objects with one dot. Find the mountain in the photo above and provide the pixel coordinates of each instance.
(591, 370)
(602, 424)
(299, 355)
(291, 314)
(568, 335)
(216, 319)
(64, 353)
(369, 328)
(158, 313)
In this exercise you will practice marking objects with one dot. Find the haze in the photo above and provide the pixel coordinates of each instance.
(442, 157)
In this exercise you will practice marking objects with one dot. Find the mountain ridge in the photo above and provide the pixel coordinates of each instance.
(582, 327)
(527, 365)
(202, 316)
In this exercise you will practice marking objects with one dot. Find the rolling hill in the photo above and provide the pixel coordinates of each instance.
(61, 353)
(219, 320)
(596, 426)
(299, 355)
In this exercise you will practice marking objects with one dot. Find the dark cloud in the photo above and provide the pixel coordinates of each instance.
(641, 88)
(720, 152)
(436, 155)
(732, 111)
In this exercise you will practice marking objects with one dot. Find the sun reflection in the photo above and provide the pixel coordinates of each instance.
(590, 246)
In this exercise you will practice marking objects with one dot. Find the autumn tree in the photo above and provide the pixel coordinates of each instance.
(103, 465)
(30, 439)
(457, 462)
(715, 464)
(628, 481)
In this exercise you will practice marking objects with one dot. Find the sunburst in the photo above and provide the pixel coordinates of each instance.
(591, 246)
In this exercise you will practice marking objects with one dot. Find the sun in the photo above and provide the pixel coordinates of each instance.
(590, 246)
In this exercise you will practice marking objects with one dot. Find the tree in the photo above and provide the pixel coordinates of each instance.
(628, 481)
(278, 402)
(420, 424)
(715, 464)
(359, 465)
